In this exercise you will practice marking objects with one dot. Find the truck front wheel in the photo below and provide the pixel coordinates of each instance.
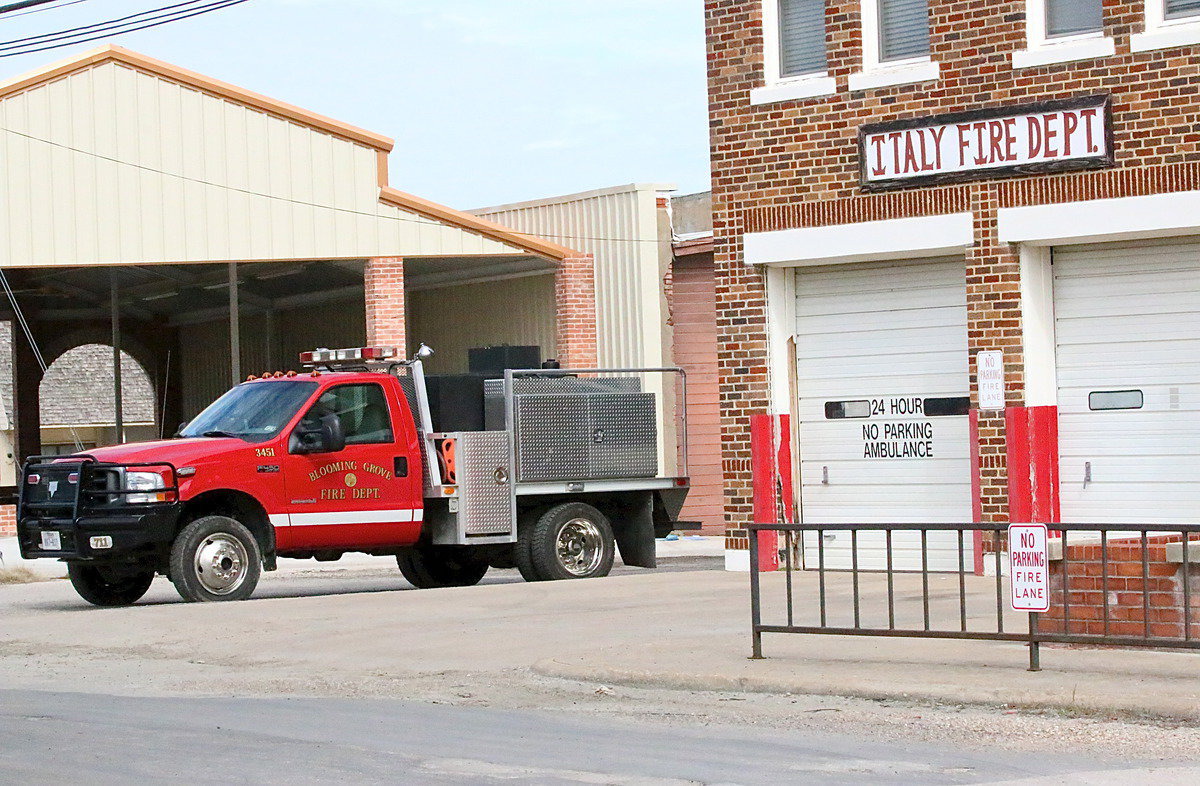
(109, 586)
(432, 567)
(215, 558)
(572, 541)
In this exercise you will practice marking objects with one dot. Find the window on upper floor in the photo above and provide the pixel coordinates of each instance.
(1169, 23)
(1060, 31)
(903, 29)
(801, 37)
(895, 44)
(1072, 17)
(1180, 9)
(794, 59)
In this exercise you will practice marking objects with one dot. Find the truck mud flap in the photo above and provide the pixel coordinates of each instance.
(635, 535)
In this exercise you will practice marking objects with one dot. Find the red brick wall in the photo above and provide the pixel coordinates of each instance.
(8, 521)
(1126, 590)
(795, 164)
(575, 305)
(383, 281)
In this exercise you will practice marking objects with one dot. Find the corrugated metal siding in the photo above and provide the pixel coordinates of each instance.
(112, 164)
(204, 347)
(454, 319)
(619, 227)
(695, 316)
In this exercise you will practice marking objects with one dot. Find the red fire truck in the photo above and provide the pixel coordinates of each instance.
(546, 470)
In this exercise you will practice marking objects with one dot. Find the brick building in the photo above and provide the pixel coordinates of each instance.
(902, 185)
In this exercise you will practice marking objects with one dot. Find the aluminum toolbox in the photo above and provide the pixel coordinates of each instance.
(570, 428)
(482, 503)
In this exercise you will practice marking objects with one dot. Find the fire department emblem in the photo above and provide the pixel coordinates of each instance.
(351, 479)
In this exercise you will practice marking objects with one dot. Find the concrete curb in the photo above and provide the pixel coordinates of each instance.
(1043, 697)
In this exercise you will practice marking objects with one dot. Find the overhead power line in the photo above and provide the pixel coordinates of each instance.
(4, 9)
(40, 10)
(130, 19)
(127, 24)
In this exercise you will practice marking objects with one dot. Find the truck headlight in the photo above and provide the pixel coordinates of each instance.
(147, 482)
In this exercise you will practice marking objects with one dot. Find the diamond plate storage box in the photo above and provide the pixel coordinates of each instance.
(570, 428)
(485, 507)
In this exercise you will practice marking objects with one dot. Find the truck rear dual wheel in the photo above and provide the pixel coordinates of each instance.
(109, 586)
(215, 558)
(569, 541)
(433, 567)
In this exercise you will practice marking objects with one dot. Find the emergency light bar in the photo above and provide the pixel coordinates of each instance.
(355, 354)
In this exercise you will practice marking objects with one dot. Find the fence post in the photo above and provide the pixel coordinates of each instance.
(1035, 660)
(755, 607)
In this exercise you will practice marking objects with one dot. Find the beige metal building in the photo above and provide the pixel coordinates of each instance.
(211, 232)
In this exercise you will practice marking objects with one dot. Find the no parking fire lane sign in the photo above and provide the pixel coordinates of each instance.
(1029, 567)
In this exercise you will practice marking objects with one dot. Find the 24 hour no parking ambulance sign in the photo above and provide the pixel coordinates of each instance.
(1029, 567)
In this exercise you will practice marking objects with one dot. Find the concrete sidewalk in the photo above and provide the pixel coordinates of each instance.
(1089, 681)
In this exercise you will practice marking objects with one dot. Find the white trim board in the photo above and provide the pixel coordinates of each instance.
(1125, 218)
(865, 241)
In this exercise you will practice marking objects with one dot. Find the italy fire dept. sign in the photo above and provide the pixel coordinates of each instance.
(1047, 137)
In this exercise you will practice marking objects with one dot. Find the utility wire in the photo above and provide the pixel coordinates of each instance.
(83, 29)
(105, 32)
(304, 203)
(40, 10)
(4, 9)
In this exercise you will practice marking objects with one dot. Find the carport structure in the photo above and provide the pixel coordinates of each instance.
(212, 232)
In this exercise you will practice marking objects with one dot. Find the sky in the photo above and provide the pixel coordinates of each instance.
(489, 101)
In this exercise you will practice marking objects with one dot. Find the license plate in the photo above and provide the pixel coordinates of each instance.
(51, 541)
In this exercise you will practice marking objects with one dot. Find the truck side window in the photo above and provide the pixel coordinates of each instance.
(363, 410)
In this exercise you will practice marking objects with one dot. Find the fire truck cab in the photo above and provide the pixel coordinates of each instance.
(348, 456)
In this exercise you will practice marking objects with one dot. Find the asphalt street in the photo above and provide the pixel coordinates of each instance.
(346, 674)
(55, 737)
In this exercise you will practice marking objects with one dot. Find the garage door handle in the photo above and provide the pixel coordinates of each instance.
(1087, 473)
(824, 476)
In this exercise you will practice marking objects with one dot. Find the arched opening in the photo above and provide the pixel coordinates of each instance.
(77, 401)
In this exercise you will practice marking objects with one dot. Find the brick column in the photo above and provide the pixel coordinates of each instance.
(993, 322)
(575, 312)
(742, 360)
(383, 281)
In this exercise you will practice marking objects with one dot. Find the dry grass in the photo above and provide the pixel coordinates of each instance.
(18, 575)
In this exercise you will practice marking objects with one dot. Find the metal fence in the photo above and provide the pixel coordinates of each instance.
(1123, 585)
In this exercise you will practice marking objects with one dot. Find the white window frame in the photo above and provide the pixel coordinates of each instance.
(777, 87)
(878, 73)
(1161, 33)
(1042, 50)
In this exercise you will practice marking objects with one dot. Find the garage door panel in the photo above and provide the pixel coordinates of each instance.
(1127, 317)
(942, 554)
(919, 308)
(890, 335)
(1140, 287)
(869, 344)
(1075, 331)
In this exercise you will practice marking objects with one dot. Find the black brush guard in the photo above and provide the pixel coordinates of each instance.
(81, 498)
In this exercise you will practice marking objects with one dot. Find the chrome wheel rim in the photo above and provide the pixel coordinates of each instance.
(580, 547)
(221, 563)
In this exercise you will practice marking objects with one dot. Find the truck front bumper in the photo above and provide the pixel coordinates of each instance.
(98, 538)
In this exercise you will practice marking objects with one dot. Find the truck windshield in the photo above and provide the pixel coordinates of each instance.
(251, 411)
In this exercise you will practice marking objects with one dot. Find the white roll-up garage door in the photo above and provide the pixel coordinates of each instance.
(1127, 328)
(881, 378)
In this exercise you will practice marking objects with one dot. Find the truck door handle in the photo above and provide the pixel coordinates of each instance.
(400, 466)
